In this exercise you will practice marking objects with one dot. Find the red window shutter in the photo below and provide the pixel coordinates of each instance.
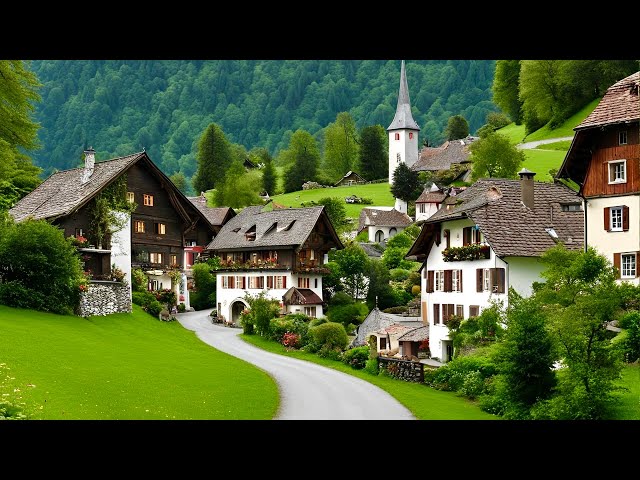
(460, 280)
(637, 269)
(625, 218)
(607, 217)
(448, 281)
(284, 282)
(447, 235)
(244, 282)
(430, 281)
(437, 239)
(466, 236)
(436, 313)
(479, 279)
(474, 310)
(269, 281)
(501, 280)
(232, 281)
(616, 262)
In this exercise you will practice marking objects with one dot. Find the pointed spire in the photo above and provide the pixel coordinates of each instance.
(403, 118)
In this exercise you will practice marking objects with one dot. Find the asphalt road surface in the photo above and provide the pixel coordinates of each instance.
(307, 391)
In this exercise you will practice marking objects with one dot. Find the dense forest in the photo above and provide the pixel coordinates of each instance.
(164, 106)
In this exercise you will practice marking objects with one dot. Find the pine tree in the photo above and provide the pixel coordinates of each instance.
(457, 128)
(214, 159)
(373, 160)
(303, 157)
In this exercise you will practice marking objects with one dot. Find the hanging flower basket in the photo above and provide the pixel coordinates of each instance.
(475, 251)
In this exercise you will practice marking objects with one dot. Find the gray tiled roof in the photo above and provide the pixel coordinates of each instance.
(377, 320)
(215, 215)
(399, 328)
(382, 218)
(370, 250)
(416, 335)
(276, 228)
(621, 103)
(442, 157)
(64, 192)
(403, 118)
(431, 197)
(510, 228)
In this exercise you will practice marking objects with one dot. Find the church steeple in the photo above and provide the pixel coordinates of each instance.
(403, 118)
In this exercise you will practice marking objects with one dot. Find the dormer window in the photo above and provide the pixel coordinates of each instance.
(618, 171)
(622, 137)
(250, 235)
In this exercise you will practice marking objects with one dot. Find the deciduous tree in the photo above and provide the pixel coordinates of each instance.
(302, 158)
(457, 127)
(340, 146)
(494, 156)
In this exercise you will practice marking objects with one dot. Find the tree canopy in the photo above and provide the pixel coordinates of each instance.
(494, 156)
(373, 161)
(301, 160)
(457, 127)
(214, 158)
(340, 147)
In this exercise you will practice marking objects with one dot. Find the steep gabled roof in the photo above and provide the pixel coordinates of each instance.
(416, 335)
(621, 103)
(63, 192)
(301, 296)
(347, 175)
(217, 216)
(443, 157)
(428, 196)
(399, 328)
(377, 319)
(382, 218)
(287, 227)
(512, 229)
(403, 118)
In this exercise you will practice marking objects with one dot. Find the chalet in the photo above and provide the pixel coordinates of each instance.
(451, 154)
(429, 202)
(486, 240)
(153, 235)
(376, 322)
(216, 216)
(382, 223)
(604, 160)
(280, 251)
(350, 178)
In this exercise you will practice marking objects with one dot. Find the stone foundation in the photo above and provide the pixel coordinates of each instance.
(104, 298)
(402, 369)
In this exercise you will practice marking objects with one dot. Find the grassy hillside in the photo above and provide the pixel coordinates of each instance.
(541, 161)
(566, 128)
(126, 366)
(380, 193)
(514, 132)
(629, 406)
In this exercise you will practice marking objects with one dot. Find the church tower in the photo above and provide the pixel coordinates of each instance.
(403, 135)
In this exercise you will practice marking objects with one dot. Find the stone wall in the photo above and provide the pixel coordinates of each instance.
(105, 297)
(402, 369)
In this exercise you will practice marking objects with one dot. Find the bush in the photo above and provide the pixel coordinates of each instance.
(142, 298)
(341, 298)
(354, 313)
(167, 297)
(317, 321)
(402, 297)
(182, 308)
(396, 310)
(399, 274)
(139, 280)
(154, 308)
(200, 300)
(263, 310)
(330, 353)
(203, 296)
(372, 366)
(330, 335)
(17, 295)
(295, 323)
(453, 375)
(291, 340)
(356, 357)
(415, 290)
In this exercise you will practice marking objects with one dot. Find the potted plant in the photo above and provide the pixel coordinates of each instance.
(423, 349)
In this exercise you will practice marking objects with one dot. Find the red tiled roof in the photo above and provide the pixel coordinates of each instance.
(620, 104)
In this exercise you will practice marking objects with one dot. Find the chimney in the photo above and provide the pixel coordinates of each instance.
(89, 163)
(526, 186)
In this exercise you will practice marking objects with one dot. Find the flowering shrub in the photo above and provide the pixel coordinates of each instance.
(475, 251)
(78, 241)
(356, 357)
(291, 340)
(116, 273)
(424, 345)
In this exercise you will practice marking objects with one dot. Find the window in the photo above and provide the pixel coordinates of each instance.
(397, 136)
(147, 200)
(460, 311)
(456, 280)
(131, 197)
(485, 279)
(240, 282)
(436, 313)
(618, 171)
(159, 228)
(471, 235)
(448, 310)
(474, 310)
(439, 284)
(154, 285)
(383, 343)
(572, 207)
(276, 281)
(79, 232)
(628, 261)
(303, 282)
(315, 283)
(256, 282)
(422, 208)
(410, 135)
(155, 257)
(228, 281)
(174, 259)
(138, 226)
(622, 137)
(310, 312)
(616, 219)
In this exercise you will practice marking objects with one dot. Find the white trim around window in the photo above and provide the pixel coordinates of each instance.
(617, 171)
(628, 265)
(615, 219)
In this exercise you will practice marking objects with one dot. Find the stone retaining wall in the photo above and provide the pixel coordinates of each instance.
(403, 369)
(104, 298)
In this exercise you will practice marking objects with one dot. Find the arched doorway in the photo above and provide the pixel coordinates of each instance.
(392, 232)
(379, 236)
(237, 306)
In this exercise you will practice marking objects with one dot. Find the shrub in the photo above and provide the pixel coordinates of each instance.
(139, 280)
(263, 309)
(182, 308)
(415, 290)
(453, 375)
(203, 296)
(402, 297)
(15, 294)
(356, 357)
(167, 297)
(330, 335)
(291, 340)
(317, 321)
(142, 298)
(396, 310)
(372, 366)
(399, 274)
(295, 323)
(354, 313)
(246, 321)
(154, 308)
(630, 344)
(341, 298)
(330, 353)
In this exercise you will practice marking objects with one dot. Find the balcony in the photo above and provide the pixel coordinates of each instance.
(475, 251)
(311, 266)
(236, 265)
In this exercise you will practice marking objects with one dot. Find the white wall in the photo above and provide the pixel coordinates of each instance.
(227, 296)
(523, 271)
(608, 243)
(406, 147)
(430, 209)
(121, 247)
(385, 230)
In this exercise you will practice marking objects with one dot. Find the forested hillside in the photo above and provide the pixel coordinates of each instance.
(164, 106)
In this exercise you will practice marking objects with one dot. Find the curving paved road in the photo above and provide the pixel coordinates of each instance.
(535, 143)
(307, 391)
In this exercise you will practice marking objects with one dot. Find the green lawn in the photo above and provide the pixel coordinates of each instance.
(424, 402)
(563, 145)
(514, 132)
(541, 161)
(126, 366)
(380, 193)
(565, 129)
(629, 407)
